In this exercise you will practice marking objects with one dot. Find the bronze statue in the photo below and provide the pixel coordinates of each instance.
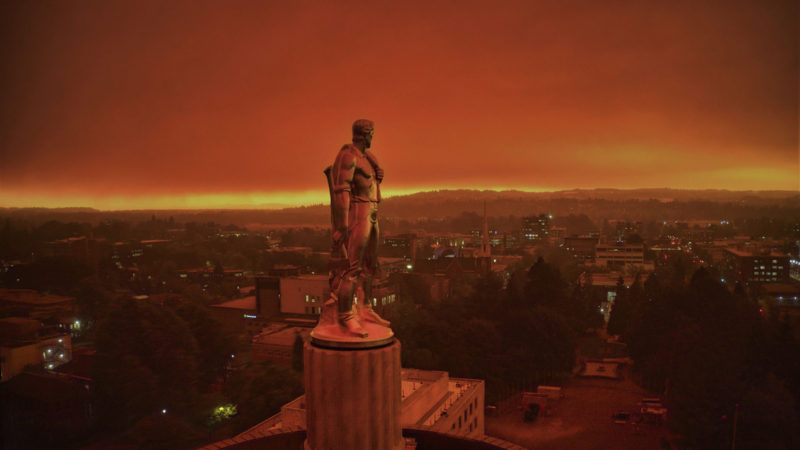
(354, 182)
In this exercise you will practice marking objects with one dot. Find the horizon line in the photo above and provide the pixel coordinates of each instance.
(272, 201)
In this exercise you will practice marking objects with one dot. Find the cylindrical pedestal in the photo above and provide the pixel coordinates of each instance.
(353, 398)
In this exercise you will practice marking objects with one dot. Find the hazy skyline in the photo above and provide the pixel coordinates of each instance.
(205, 104)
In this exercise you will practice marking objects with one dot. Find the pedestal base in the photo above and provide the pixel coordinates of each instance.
(353, 398)
(335, 336)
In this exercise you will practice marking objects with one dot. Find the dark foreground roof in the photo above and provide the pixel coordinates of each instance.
(426, 440)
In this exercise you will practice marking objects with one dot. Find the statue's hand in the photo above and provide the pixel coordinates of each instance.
(373, 161)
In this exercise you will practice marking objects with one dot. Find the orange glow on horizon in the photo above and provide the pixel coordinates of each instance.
(752, 179)
(217, 106)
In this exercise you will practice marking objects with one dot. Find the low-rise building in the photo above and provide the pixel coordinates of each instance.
(784, 294)
(431, 400)
(25, 342)
(234, 314)
(56, 310)
(581, 247)
(618, 255)
(276, 342)
(46, 410)
(757, 265)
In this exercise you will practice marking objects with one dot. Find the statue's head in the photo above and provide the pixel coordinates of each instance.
(363, 130)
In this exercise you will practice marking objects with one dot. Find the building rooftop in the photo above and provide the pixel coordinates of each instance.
(309, 277)
(246, 303)
(456, 388)
(747, 253)
(781, 288)
(415, 383)
(13, 329)
(31, 297)
(46, 388)
(283, 336)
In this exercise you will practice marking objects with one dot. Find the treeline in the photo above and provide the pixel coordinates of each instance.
(437, 206)
(723, 360)
(167, 376)
(198, 245)
(512, 338)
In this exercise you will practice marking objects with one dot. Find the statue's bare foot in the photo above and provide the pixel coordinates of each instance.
(329, 313)
(350, 323)
(369, 314)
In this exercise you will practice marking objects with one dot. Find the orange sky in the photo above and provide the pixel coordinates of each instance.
(213, 104)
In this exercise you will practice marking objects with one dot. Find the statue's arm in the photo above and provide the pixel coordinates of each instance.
(343, 171)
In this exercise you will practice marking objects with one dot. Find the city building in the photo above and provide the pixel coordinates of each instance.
(624, 228)
(305, 294)
(45, 410)
(388, 266)
(233, 314)
(85, 248)
(276, 342)
(756, 265)
(618, 255)
(400, 245)
(557, 234)
(581, 247)
(202, 274)
(51, 310)
(431, 402)
(25, 342)
(794, 269)
(784, 294)
(535, 228)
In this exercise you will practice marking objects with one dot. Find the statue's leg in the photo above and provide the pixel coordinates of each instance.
(357, 239)
(366, 310)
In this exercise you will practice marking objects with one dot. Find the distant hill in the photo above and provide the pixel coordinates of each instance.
(596, 203)
(634, 204)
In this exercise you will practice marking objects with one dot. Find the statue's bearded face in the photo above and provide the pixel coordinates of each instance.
(363, 130)
(368, 137)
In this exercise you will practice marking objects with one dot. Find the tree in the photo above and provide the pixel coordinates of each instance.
(710, 350)
(620, 316)
(164, 431)
(545, 285)
(146, 360)
(259, 391)
(215, 345)
(93, 298)
(57, 275)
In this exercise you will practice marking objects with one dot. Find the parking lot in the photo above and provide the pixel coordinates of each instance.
(582, 420)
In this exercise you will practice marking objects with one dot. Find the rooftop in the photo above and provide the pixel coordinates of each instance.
(456, 388)
(246, 303)
(31, 297)
(283, 337)
(747, 253)
(46, 388)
